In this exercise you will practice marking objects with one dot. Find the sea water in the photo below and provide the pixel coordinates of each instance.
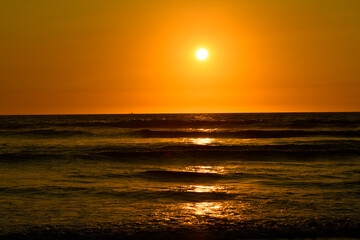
(180, 176)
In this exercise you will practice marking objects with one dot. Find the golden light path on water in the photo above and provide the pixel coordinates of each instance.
(206, 195)
(213, 209)
(202, 141)
(208, 209)
(206, 169)
(204, 189)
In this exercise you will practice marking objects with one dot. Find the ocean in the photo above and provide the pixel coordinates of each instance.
(180, 176)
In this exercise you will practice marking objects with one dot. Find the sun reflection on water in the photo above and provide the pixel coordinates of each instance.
(208, 130)
(202, 141)
(206, 169)
(204, 189)
(213, 209)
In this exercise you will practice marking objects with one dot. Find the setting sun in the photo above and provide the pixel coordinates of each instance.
(202, 54)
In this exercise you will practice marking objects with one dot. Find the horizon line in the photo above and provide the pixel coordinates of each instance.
(161, 113)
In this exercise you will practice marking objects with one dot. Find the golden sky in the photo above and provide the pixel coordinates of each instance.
(111, 56)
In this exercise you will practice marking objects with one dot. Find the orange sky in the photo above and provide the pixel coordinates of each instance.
(109, 56)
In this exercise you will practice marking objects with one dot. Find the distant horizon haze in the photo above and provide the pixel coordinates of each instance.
(173, 113)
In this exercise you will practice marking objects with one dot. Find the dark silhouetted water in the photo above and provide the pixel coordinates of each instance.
(180, 176)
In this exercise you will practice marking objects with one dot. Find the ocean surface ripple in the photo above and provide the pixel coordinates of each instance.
(180, 176)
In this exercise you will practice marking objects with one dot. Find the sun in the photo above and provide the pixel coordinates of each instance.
(202, 54)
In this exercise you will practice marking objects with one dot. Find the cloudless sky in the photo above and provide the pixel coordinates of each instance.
(110, 56)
